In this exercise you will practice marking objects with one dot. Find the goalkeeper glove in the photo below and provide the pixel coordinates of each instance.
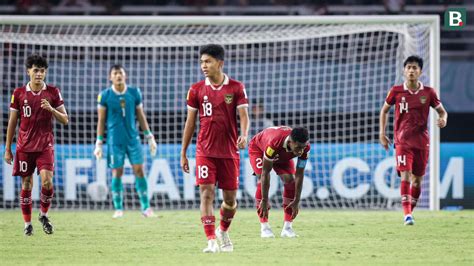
(98, 148)
(151, 142)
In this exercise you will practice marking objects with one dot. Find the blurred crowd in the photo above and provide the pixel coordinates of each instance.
(114, 7)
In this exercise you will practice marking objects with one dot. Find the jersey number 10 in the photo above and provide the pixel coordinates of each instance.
(26, 111)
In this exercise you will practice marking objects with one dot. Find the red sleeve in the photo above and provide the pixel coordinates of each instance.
(270, 152)
(434, 101)
(58, 99)
(271, 148)
(14, 101)
(242, 99)
(305, 154)
(390, 99)
(192, 99)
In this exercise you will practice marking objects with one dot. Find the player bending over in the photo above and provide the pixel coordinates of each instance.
(274, 148)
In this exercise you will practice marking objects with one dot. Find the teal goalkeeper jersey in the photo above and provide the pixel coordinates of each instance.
(121, 114)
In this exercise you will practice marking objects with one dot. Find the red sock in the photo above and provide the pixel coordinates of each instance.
(226, 217)
(258, 199)
(209, 226)
(26, 204)
(406, 198)
(415, 195)
(45, 199)
(288, 196)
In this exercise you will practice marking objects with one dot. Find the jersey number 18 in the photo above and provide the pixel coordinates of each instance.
(207, 109)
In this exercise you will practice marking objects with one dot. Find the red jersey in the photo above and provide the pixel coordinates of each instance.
(272, 142)
(217, 108)
(35, 133)
(411, 114)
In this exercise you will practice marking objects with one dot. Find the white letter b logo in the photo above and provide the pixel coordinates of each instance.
(455, 18)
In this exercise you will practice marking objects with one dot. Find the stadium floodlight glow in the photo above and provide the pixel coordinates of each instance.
(330, 74)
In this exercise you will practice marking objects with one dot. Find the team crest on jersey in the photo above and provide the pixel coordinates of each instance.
(228, 98)
(25, 102)
(423, 99)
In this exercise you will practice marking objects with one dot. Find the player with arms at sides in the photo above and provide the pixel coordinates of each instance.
(412, 102)
(120, 105)
(274, 148)
(217, 99)
(35, 105)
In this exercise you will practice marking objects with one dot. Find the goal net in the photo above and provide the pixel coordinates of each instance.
(328, 74)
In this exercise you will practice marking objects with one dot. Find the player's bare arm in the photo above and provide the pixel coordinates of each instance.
(59, 113)
(265, 183)
(12, 123)
(383, 139)
(102, 114)
(189, 128)
(244, 127)
(443, 116)
(146, 130)
(299, 176)
(142, 119)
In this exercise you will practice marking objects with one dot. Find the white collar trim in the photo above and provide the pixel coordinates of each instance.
(226, 82)
(285, 143)
(118, 92)
(420, 87)
(28, 88)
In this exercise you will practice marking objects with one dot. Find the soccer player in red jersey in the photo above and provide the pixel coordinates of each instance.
(274, 148)
(35, 105)
(217, 99)
(412, 102)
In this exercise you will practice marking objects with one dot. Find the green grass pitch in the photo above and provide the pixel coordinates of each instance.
(177, 238)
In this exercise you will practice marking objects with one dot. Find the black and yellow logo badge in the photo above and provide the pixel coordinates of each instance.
(228, 98)
(423, 99)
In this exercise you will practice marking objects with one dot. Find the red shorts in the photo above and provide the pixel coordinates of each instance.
(281, 168)
(223, 172)
(26, 162)
(411, 160)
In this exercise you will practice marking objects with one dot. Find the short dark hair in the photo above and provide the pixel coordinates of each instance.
(37, 60)
(214, 50)
(414, 59)
(300, 134)
(116, 67)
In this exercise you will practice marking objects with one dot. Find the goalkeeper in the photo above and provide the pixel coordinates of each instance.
(120, 105)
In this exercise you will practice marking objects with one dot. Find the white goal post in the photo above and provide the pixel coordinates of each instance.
(330, 74)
